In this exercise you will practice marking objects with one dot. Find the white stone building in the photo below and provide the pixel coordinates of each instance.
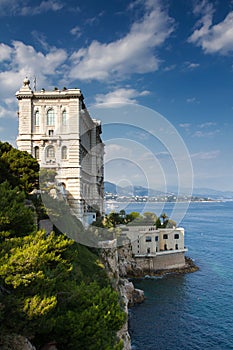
(147, 240)
(154, 249)
(56, 128)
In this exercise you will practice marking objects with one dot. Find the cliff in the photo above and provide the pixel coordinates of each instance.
(117, 273)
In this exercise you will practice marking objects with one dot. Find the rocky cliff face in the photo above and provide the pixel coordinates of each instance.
(117, 270)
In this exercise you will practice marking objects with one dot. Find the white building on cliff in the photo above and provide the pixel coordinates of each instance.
(56, 128)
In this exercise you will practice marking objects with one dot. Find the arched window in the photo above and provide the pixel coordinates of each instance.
(64, 152)
(50, 117)
(37, 152)
(50, 152)
(37, 118)
(64, 120)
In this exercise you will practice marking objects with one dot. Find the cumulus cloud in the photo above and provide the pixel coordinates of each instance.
(212, 38)
(133, 53)
(5, 52)
(120, 96)
(23, 60)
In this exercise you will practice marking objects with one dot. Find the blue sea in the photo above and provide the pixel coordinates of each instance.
(191, 311)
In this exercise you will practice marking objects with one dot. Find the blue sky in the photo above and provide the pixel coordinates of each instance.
(173, 57)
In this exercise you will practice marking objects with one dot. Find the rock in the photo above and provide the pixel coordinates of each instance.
(15, 342)
(138, 296)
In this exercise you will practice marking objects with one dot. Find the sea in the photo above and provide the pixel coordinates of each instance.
(195, 310)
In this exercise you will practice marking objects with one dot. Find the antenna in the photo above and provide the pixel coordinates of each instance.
(34, 81)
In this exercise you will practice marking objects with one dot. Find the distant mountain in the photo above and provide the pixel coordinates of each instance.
(143, 191)
(110, 187)
(208, 192)
(129, 191)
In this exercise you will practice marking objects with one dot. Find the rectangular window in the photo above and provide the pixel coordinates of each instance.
(156, 238)
(165, 236)
(148, 238)
(50, 132)
(37, 118)
(50, 117)
(176, 236)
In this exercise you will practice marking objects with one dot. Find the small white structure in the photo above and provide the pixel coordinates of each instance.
(56, 128)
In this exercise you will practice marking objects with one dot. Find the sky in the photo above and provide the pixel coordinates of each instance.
(168, 64)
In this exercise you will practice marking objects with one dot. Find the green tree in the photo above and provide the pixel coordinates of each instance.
(54, 289)
(15, 217)
(19, 168)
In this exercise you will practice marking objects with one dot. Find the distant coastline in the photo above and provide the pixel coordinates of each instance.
(160, 200)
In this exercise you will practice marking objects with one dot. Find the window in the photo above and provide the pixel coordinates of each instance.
(50, 117)
(165, 246)
(37, 118)
(176, 236)
(37, 152)
(50, 132)
(165, 236)
(148, 238)
(50, 152)
(63, 119)
(156, 238)
(177, 246)
(64, 152)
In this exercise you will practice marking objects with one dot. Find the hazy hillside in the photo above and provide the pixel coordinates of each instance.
(142, 191)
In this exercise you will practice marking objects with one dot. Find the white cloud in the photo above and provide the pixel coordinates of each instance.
(211, 37)
(206, 125)
(185, 125)
(120, 96)
(192, 100)
(24, 8)
(206, 155)
(191, 65)
(23, 60)
(201, 133)
(133, 53)
(169, 68)
(5, 52)
(8, 112)
(76, 31)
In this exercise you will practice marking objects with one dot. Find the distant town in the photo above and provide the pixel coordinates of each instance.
(112, 192)
(108, 196)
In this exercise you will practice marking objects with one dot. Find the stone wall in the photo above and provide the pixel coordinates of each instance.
(152, 264)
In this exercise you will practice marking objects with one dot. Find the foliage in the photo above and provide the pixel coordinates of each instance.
(50, 286)
(57, 290)
(15, 217)
(114, 219)
(19, 168)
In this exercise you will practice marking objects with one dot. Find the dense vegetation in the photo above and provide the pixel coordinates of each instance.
(134, 218)
(51, 288)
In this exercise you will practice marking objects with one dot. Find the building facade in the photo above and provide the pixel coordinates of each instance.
(153, 249)
(56, 128)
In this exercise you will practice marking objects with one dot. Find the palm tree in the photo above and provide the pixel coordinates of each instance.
(164, 217)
